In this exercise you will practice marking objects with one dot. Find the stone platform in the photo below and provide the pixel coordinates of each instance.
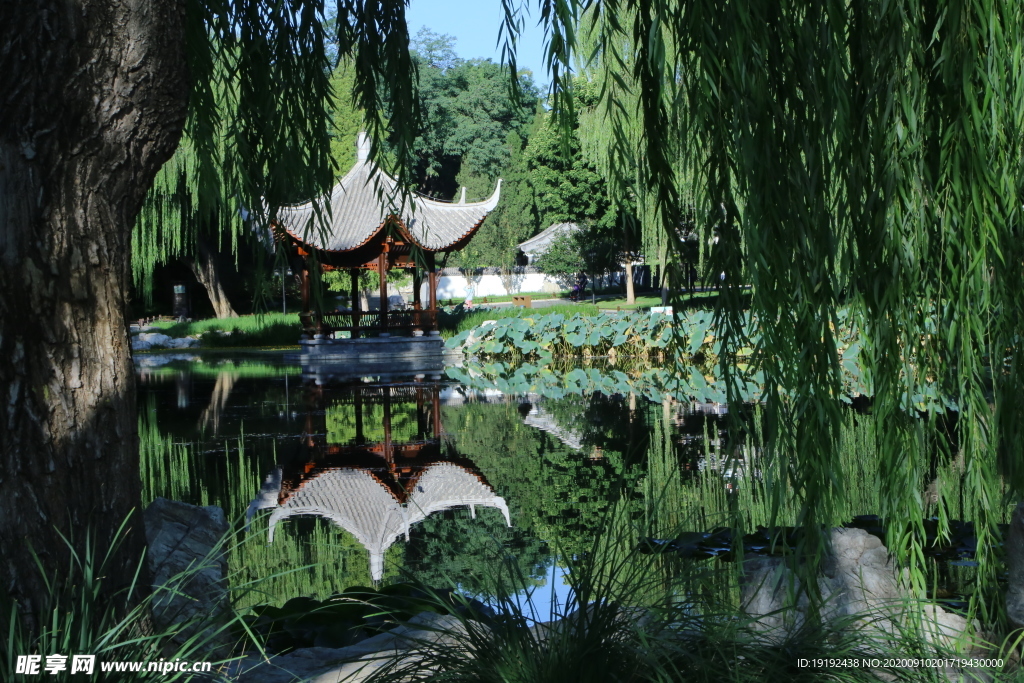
(339, 358)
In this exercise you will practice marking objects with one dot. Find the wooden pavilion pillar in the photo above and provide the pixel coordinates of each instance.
(358, 399)
(354, 272)
(305, 316)
(432, 287)
(421, 418)
(435, 405)
(305, 288)
(417, 306)
(389, 454)
(382, 270)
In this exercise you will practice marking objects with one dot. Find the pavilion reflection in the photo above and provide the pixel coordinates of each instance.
(373, 460)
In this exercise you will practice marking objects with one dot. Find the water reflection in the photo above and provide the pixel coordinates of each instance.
(448, 482)
(373, 465)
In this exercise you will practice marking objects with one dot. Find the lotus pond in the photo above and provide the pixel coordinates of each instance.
(493, 469)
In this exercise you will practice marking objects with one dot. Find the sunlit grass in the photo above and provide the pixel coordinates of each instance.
(266, 329)
(451, 324)
(620, 304)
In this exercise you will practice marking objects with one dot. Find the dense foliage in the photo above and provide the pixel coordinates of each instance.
(470, 126)
(843, 154)
(827, 153)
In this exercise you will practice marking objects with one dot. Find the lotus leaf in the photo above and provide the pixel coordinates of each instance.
(575, 339)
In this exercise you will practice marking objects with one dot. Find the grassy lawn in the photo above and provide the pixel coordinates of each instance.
(267, 329)
(621, 305)
(504, 298)
(695, 300)
(451, 324)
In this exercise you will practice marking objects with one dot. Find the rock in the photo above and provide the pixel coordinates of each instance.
(861, 590)
(764, 595)
(159, 359)
(187, 565)
(149, 340)
(405, 645)
(1015, 561)
(859, 580)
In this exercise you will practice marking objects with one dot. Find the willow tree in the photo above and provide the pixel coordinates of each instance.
(865, 154)
(858, 157)
(194, 209)
(95, 95)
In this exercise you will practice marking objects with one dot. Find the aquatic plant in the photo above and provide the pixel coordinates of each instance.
(455, 319)
(556, 334)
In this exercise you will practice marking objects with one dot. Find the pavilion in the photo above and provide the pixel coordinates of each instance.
(373, 227)
(376, 484)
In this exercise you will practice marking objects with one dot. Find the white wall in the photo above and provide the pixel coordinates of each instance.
(458, 286)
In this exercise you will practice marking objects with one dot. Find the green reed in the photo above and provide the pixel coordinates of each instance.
(316, 562)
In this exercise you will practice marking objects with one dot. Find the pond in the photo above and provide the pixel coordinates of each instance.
(457, 476)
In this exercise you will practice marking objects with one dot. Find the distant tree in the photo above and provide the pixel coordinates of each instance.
(436, 50)
(467, 117)
(515, 220)
(562, 260)
(592, 250)
(566, 188)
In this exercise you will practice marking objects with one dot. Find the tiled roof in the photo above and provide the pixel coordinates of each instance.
(445, 485)
(539, 243)
(354, 500)
(361, 202)
(357, 501)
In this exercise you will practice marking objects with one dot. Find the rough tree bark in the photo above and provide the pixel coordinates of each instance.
(204, 267)
(93, 96)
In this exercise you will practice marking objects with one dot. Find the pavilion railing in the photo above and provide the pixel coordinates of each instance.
(359, 322)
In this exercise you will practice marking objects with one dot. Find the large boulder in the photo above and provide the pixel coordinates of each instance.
(187, 564)
(156, 340)
(1015, 560)
(861, 590)
(860, 581)
(403, 646)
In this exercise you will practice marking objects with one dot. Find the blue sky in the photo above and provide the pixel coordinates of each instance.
(475, 25)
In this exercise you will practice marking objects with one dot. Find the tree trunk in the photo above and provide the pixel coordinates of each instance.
(630, 292)
(93, 96)
(206, 270)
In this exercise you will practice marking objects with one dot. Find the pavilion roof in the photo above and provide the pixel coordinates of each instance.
(542, 241)
(357, 500)
(363, 201)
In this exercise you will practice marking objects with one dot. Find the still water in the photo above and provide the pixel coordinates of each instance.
(451, 479)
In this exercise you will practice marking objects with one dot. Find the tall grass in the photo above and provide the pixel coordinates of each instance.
(264, 329)
(79, 617)
(308, 557)
(633, 617)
